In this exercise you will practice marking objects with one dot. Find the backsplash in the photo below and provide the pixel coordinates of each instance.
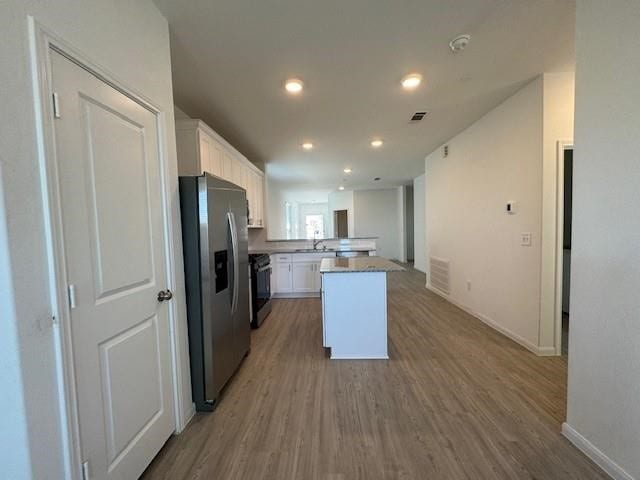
(258, 242)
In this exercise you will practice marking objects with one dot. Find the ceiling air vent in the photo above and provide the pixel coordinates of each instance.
(445, 151)
(417, 116)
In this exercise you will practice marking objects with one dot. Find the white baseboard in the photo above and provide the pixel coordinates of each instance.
(540, 351)
(614, 470)
(295, 295)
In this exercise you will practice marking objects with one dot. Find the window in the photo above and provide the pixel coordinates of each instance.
(314, 226)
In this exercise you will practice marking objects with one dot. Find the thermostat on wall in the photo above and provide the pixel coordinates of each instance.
(510, 208)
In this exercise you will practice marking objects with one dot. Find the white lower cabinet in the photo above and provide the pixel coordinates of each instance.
(304, 279)
(284, 277)
(297, 274)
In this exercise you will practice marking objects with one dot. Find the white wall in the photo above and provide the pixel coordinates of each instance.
(341, 201)
(376, 215)
(419, 233)
(604, 359)
(14, 433)
(558, 109)
(496, 160)
(130, 40)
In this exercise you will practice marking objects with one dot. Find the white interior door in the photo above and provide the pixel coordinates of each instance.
(109, 172)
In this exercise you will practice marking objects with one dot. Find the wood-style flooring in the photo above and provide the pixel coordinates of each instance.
(457, 400)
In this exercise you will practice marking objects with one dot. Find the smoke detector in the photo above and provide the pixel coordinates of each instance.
(459, 43)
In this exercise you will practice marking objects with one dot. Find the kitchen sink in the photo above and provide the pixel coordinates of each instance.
(317, 250)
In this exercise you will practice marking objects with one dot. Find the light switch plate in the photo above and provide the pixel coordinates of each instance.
(525, 239)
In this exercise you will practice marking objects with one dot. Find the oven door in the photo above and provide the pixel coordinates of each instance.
(263, 286)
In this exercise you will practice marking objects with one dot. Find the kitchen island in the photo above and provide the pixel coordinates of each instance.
(354, 306)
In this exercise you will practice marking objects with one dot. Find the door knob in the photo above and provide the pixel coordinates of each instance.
(164, 295)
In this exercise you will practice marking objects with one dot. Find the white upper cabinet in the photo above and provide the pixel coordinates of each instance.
(200, 150)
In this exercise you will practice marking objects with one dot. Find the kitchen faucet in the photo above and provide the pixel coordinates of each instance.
(318, 241)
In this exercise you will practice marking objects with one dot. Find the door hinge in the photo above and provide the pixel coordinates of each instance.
(85, 471)
(71, 290)
(56, 105)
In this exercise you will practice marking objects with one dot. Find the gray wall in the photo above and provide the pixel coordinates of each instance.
(376, 215)
(604, 338)
(409, 234)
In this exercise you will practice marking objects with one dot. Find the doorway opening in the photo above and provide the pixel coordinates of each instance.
(566, 243)
(341, 223)
(565, 213)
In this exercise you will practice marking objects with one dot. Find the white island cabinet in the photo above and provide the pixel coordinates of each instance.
(354, 306)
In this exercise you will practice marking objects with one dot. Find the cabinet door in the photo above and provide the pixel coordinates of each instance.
(283, 277)
(251, 197)
(227, 166)
(304, 277)
(238, 173)
(274, 274)
(205, 152)
(215, 160)
(259, 200)
(317, 277)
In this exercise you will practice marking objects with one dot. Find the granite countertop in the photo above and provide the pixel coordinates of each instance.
(358, 264)
(270, 251)
(319, 239)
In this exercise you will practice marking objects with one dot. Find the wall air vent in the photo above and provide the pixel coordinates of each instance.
(416, 117)
(439, 274)
(445, 151)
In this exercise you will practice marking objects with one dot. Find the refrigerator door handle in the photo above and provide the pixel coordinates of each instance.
(236, 260)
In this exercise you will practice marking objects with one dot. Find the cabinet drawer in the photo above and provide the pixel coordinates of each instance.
(282, 257)
(312, 257)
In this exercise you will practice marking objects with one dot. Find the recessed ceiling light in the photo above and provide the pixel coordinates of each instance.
(293, 86)
(411, 81)
(347, 170)
(340, 187)
(307, 146)
(376, 143)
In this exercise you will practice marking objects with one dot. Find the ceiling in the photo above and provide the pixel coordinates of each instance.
(230, 59)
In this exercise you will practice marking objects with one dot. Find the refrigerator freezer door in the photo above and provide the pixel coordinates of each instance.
(218, 334)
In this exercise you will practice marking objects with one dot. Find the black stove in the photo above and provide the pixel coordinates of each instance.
(260, 287)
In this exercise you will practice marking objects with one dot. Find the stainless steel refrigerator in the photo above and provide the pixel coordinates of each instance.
(215, 242)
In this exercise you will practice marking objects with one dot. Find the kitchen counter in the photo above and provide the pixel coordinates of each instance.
(270, 251)
(354, 306)
(358, 264)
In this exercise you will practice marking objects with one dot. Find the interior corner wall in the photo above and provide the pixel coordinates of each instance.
(131, 41)
(604, 361)
(496, 160)
(179, 114)
(419, 246)
(376, 215)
